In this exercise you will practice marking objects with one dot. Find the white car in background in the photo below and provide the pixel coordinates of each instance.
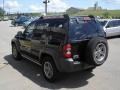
(111, 27)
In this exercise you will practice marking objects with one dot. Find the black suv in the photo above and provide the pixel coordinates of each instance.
(62, 44)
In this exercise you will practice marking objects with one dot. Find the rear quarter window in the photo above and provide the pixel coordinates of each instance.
(56, 31)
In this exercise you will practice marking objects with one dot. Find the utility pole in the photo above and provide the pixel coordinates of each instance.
(46, 3)
(9, 12)
(96, 5)
(3, 9)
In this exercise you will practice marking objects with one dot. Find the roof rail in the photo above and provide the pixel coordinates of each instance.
(66, 16)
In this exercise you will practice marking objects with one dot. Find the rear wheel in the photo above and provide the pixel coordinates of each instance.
(97, 51)
(49, 69)
(15, 52)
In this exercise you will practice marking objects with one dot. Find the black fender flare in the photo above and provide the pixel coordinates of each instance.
(52, 54)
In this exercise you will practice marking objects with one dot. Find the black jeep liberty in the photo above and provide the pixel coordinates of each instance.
(62, 44)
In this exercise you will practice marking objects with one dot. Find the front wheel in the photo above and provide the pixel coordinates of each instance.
(15, 52)
(49, 69)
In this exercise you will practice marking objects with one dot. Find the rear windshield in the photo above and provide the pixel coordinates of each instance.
(79, 28)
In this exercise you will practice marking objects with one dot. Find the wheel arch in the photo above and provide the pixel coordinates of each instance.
(89, 50)
(15, 42)
(44, 54)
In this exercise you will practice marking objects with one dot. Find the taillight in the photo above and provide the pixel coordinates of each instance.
(67, 51)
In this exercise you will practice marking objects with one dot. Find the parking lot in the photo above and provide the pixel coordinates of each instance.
(25, 75)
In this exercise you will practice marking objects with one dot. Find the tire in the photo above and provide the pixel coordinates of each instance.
(49, 65)
(15, 53)
(97, 51)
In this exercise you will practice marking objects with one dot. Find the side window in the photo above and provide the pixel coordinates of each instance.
(29, 30)
(115, 23)
(112, 24)
(57, 32)
(39, 32)
(22, 18)
(119, 22)
(41, 26)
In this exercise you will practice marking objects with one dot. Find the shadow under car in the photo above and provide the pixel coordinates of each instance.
(34, 73)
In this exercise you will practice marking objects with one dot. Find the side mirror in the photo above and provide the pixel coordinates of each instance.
(19, 34)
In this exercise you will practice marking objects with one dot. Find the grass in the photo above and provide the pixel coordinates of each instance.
(112, 13)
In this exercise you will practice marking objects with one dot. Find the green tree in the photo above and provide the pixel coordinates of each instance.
(72, 10)
(1, 12)
(106, 14)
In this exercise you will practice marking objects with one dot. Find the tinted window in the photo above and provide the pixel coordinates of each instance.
(41, 26)
(110, 24)
(40, 30)
(119, 22)
(114, 23)
(29, 30)
(57, 26)
(81, 28)
(56, 31)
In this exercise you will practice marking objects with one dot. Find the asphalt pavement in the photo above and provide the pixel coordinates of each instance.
(25, 75)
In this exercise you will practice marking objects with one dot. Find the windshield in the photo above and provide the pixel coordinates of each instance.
(103, 23)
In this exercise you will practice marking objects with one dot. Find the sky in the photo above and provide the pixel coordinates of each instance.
(55, 5)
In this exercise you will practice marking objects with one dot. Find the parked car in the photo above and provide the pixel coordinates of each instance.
(111, 26)
(19, 21)
(62, 44)
(12, 17)
(1, 18)
(6, 18)
(25, 24)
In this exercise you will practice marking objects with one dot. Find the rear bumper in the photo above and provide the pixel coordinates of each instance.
(69, 65)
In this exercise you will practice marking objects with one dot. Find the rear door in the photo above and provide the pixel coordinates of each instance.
(49, 34)
(39, 38)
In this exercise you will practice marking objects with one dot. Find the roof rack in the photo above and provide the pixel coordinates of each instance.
(66, 16)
